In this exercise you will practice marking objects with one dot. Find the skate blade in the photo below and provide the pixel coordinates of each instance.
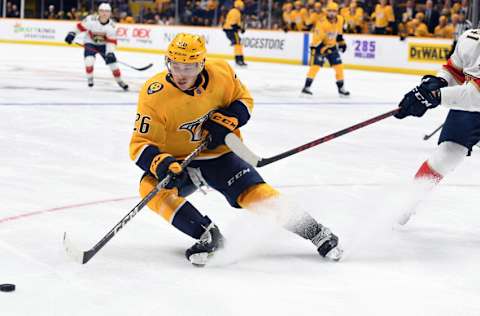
(199, 259)
(335, 254)
(344, 96)
(305, 95)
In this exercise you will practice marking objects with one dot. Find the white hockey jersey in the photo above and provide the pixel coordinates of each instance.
(98, 33)
(462, 72)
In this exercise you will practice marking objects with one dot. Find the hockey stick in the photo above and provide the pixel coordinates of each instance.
(84, 256)
(237, 146)
(427, 137)
(118, 61)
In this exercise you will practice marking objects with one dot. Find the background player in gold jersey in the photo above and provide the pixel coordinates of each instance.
(232, 26)
(327, 34)
(176, 109)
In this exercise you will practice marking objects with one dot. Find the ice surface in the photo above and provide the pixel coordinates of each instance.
(64, 166)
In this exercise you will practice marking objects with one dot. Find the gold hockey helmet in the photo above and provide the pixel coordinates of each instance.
(187, 48)
(239, 4)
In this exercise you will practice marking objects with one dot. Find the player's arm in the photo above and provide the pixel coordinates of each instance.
(449, 87)
(80, 27)
(461, 94)
(342, 45)
(111, 38)
(148, 137)
(235, 113)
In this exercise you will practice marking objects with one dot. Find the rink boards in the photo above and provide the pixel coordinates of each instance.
(365, 52)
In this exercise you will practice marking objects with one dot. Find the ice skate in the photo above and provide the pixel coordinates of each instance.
(327, 244)
(239, 61)
(343, 93)
(90, 82)
(123, 85)
(210, 241)
(306, 91)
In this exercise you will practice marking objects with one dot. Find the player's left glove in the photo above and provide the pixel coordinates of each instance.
(219, 124)
(421, 98)
(342, 45)
(110, 58)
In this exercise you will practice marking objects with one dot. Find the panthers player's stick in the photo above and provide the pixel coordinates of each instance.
(427, 137)
(84, 256)
(237, 146)
(118, 61)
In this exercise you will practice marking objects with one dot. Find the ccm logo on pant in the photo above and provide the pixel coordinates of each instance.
(237, 176)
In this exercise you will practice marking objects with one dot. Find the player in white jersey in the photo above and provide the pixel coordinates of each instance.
(100, 38)
(457, 87)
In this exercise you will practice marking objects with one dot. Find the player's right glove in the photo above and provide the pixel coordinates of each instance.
(70, 37)
(423, 97)
(164, 165)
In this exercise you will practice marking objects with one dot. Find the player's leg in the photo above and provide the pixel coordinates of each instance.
(336, 62)
(89, 59)
(238, 50)
(173, 207)
(460, 132)
(243, 187)
(111, 62)
(316, 61)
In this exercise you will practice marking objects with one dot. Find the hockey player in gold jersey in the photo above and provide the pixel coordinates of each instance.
(233, 25)
(327, 35)
(177, 109)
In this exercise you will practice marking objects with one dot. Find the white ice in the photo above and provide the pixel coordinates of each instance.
(64, 165)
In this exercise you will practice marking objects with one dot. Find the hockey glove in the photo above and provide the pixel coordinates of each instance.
(220, 123)
(327, 50)
(421, 98)
(342, 45)
(110, 58)
(164, 165)
(70, 37)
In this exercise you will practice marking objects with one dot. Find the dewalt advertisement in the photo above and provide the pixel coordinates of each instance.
(428, 53)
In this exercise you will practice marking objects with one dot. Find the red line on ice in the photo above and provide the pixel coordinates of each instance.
(61, 208)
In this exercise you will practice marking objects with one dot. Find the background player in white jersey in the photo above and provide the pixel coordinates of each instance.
(457, 87)
(100, 38)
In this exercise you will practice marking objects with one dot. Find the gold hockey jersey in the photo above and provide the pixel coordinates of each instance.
(170, 119)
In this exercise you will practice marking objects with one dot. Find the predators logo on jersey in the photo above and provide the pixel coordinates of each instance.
(154, 87)
(195, 128)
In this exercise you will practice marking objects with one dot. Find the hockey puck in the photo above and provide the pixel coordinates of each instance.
(7, 287)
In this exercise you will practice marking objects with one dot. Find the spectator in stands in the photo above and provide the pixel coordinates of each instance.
(383, 18)
(299, 16)
(410, 11)
(288, 24)
(443, 29)
(353, 18)
(50, 13)
(431, 16)
(12, 11)
(420, 27)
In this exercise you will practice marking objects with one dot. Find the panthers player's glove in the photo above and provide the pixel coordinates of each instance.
(220, 123)
(165, 164)
(110, 58)
(421, 98)
(70, 37)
